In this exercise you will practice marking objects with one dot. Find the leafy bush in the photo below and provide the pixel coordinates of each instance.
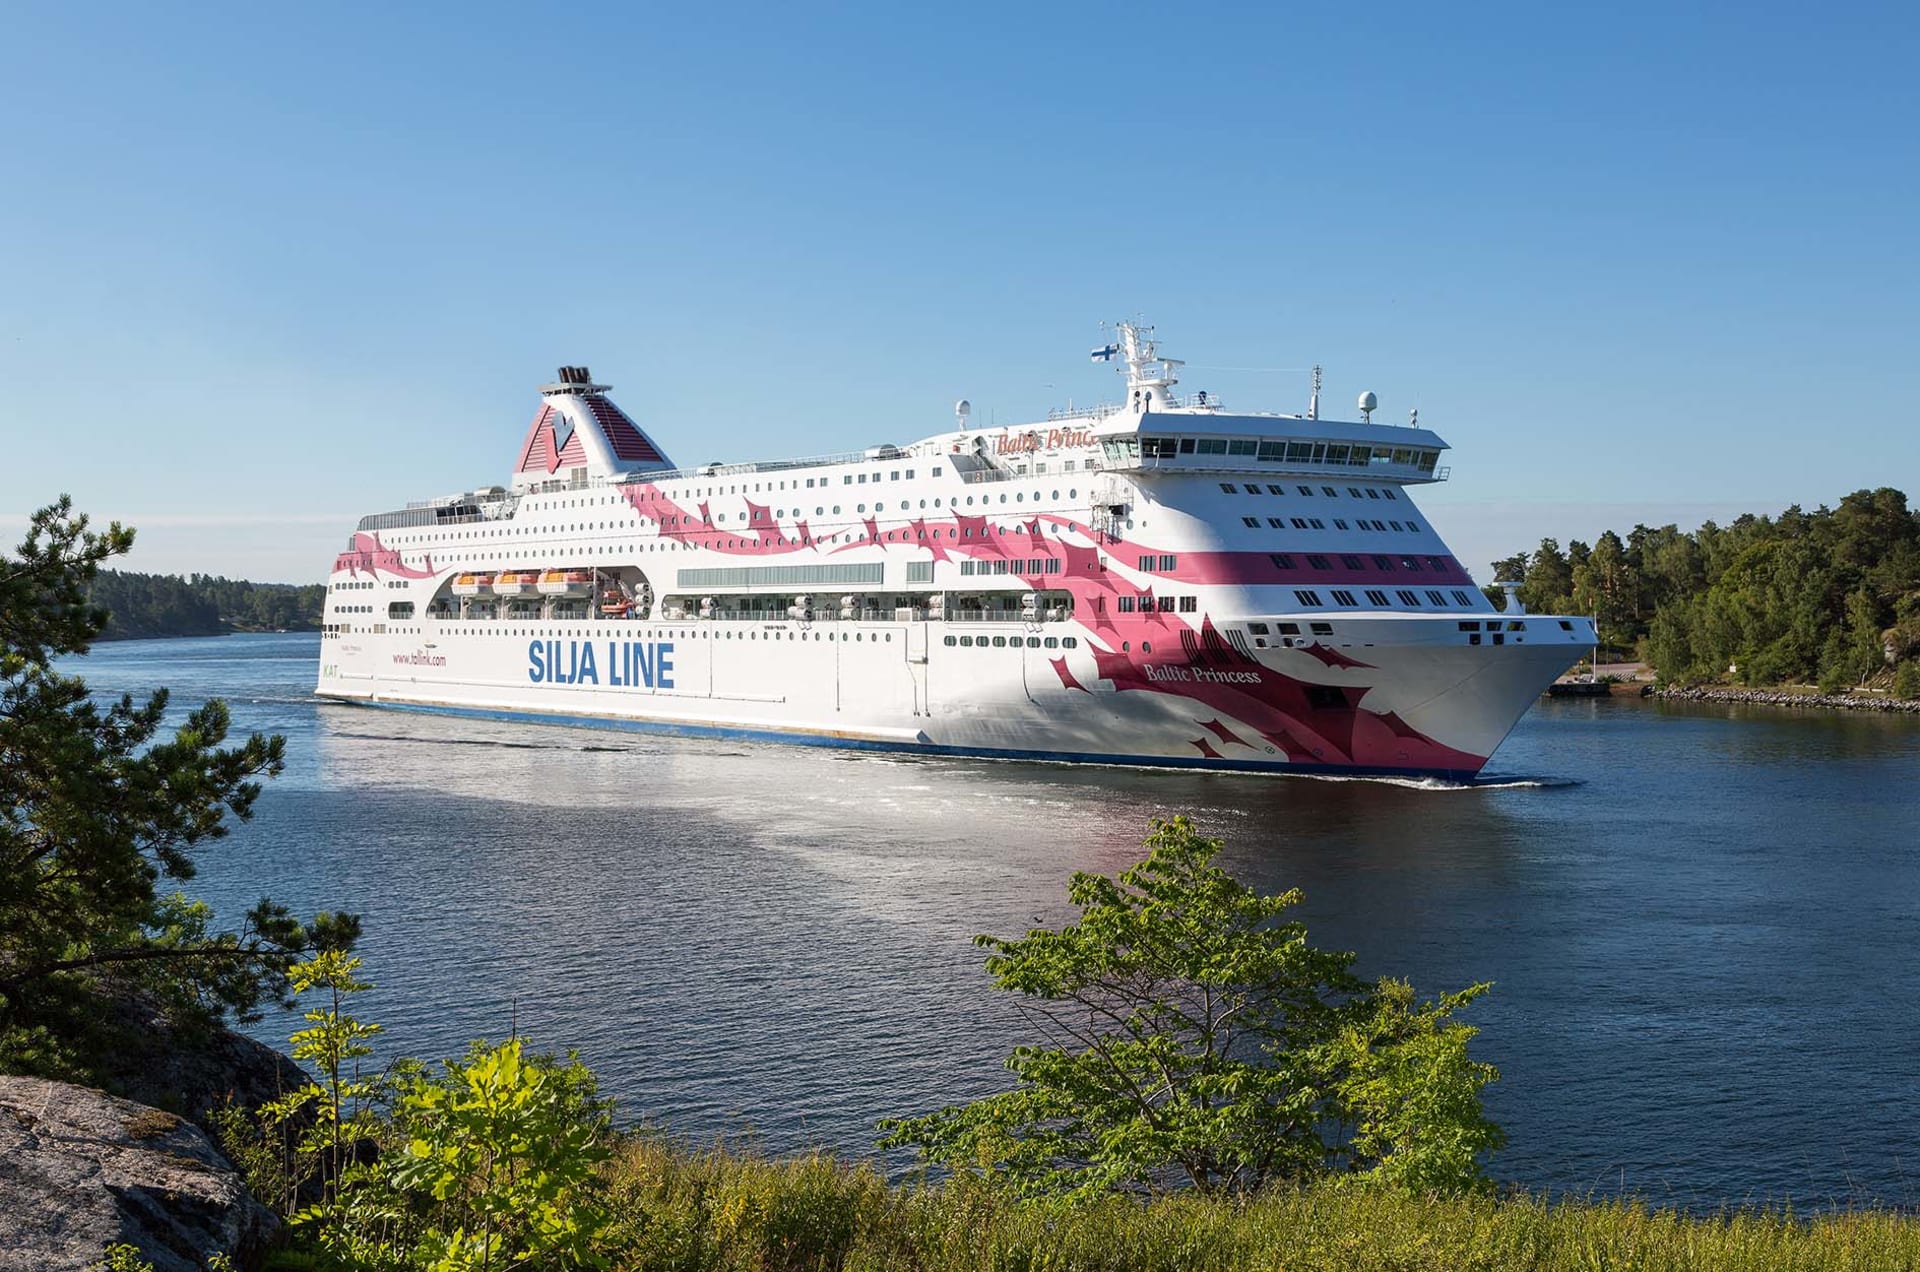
(1195, 1040)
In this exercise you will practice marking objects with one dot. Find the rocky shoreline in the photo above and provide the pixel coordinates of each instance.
(1782, 698)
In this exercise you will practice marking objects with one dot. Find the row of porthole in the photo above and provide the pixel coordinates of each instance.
(1013, 642)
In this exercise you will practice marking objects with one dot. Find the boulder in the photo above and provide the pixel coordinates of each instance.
(81, 1170)
(190, 1069)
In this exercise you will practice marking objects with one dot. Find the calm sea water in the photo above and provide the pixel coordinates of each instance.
(1702, 924)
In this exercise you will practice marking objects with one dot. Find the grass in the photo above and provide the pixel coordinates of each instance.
(693, 1211)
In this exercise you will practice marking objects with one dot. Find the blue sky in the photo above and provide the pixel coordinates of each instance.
(265, 269)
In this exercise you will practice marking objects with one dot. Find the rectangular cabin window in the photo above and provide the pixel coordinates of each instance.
(1280, 560)
(1466, 602)
(1470, 627)
(1278, 523)
(1339, 524)
(1189, 604)
(1376, 597)
(1316, 523)
(1318, 563)
(1258, 629)
(1226, 488)
(1276, 490)
(1343, 598)
(1299, 523)
(919, 571)
(1250, 522)
(1389, 494)
(1305, 490)
(1307, 598)
(1124, 604)
(1413, 527)
(1289, 629)
(1167, 563)
(1252, 488)
(1352, 563)
(1407, 598)
(1435, 599)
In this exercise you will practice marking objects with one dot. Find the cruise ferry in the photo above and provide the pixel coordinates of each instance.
(1162, 581)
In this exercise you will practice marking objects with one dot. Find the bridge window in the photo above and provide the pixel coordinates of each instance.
(1212, 446)
(1273, 452)
(1242, 446)
(1157, 447)
(1186, 446)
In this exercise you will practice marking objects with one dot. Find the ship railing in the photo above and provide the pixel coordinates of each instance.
(1097, 411)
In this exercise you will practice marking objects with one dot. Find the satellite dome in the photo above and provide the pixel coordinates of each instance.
(1369, 401)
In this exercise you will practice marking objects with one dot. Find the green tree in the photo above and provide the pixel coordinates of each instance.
(500, 1156)
(1194, 1038)
(99, 808)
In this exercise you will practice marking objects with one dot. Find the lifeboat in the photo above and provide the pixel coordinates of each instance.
(566, 583)
(614, 605)
(470, 584)
(515, 582)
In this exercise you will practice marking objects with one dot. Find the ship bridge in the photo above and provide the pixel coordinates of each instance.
(1154, 430)
(1209, 442)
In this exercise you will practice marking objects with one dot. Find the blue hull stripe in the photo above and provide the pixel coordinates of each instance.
(729, 733)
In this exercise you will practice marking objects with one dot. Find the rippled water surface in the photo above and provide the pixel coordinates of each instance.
(1701, 923)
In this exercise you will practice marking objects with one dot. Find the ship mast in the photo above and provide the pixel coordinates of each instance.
(1149, 376)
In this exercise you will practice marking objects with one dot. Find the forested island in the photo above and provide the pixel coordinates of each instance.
(148, 605)
(1829, 597)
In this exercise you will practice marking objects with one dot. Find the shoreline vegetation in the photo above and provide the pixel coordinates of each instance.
(1829, 598)
(155, 606)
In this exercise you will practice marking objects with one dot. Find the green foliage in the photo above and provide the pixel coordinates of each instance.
(140, 605)
(1802, 597)
(505, 1145)
(1906, 679)
(317, 1126)
(725, 1212)
(99, 807)
(125, 1258)
(1193, 1038)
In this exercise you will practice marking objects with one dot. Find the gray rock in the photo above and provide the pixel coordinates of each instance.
(189, 1070)
(81, 1170)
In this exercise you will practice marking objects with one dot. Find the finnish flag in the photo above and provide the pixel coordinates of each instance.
(1105, 354)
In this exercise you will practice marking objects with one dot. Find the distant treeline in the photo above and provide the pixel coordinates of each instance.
(1830, 596)
(144, 605)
